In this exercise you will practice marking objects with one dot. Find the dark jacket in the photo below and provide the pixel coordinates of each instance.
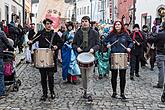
(93, 40)
(122, 38)
(160, 43)
(44, 44)
(42, 41)
(4, 43)
(138, 50)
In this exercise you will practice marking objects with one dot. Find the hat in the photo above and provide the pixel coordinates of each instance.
(145, 26)
(47, 20)
(136, 26)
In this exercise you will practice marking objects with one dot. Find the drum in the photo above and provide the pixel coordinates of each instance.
(119, 61)
(43, 58)
(85, 60)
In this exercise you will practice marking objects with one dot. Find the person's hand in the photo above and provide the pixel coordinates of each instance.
(128, 50)
(30, 42)
(138, 43)
(79, 49)
(134, 42)
(55, 47)
(108, 46)
(91, 50)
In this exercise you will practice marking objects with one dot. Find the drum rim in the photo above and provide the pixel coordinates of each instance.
(84, 62)
(119, 53)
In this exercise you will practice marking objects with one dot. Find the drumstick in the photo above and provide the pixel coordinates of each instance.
(136, 41)
(114, 42)
(36, 37)
(123, 46)
(48, 41)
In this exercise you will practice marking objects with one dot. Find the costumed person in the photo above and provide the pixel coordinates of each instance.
(137, 51)
(86, 40)
(69, 65)
(152, 50)
(48, 38)
(102, 56)
(31, 34)
(4, 45)
(26, 47)
(70, 68)
(119, 42)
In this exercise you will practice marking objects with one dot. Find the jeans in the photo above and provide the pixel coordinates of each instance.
(160, 59)
(2, 84)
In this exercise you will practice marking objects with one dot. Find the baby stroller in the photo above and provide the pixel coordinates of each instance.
(10, 71)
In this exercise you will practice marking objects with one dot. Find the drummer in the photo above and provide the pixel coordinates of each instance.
(57, 43)
(86, 40)
(123, 45)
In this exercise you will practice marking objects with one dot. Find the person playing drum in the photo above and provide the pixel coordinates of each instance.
(44, 40)
(86, 40)
(119, 42)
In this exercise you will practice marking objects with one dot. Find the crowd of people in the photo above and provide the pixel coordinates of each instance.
(102, 41)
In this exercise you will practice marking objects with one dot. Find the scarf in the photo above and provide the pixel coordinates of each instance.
(134, 35)
(85, 37)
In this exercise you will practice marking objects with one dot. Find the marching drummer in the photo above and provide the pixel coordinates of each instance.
(86, 40)
(44, 38)
(119, 42)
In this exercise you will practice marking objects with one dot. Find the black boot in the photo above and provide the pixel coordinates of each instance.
(114, 95)
(100, 76)
(43, 98)
(122, 96)
(163, 97)
(132, 78)
(90, 99)
(52, 95)
(85, 95)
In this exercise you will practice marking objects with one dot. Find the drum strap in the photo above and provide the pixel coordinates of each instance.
(51, 40)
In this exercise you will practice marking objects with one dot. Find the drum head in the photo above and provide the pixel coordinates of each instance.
(85, 58)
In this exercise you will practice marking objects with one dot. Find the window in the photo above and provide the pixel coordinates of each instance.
(84, 10)
(80, 11)
(88, 10)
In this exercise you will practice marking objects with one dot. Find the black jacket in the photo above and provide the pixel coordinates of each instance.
(160, 43)
(138, 50)
(93, 40)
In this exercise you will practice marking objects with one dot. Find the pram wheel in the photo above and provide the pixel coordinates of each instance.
(18, 82)
(15, 88)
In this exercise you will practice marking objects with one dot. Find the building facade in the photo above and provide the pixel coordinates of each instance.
(125, 8)
(12, 10)
(149, 12)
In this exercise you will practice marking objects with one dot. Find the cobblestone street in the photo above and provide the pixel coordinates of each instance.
(140, 93)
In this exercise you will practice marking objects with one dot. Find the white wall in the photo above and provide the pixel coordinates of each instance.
(81, 4)
(34, 11)
(9, 3)
(149, 7)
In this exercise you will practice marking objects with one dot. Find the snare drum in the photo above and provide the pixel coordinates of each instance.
(119, 61)
(43, 58)
(85, 60)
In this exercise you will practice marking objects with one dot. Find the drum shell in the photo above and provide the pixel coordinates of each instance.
(43, 58)
(83, 62)
(119, 61)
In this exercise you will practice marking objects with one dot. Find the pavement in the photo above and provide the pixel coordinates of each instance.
(140, 93)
